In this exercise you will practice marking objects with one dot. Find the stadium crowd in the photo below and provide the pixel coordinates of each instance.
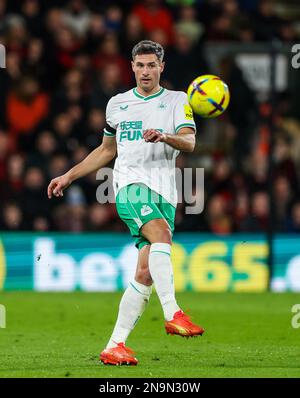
(65, 59)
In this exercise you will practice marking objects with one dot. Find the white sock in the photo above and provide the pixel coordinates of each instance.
(132, 305)
(161, 271)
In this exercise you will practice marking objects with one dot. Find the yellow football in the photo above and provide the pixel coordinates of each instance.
(208, 96)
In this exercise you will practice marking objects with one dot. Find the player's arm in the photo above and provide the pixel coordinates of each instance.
(184, 140)
(98, 158)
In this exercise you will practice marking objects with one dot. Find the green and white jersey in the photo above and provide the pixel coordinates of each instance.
(153, 164)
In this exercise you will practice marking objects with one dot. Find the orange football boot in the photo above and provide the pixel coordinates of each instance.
(119, 355)
(181, 324)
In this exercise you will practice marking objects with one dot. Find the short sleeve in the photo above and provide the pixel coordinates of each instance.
(183, 116)
(110, 128)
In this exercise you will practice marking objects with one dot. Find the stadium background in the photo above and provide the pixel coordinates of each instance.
(65, 59)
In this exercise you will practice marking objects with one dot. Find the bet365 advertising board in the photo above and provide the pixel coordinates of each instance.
(106, 262)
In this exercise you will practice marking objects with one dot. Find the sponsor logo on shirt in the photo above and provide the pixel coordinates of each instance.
(188, 112)
(131, 131)
(145, 210)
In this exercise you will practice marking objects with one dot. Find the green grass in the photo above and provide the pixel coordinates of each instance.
(61, 335)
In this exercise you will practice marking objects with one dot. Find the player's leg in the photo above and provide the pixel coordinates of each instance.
(134, 300)
(132, 305)
(158, 233)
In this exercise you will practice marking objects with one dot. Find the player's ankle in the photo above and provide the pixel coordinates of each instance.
(170, 308)
(113, 344)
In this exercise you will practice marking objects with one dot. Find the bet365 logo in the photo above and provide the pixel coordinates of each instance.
(296, 317)
(2, 317)
(296, 57)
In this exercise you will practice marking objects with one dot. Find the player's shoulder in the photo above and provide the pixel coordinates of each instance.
(120, 97)
(176, 95)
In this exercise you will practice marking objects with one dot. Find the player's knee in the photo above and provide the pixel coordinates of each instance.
(163, 235)
(143, 276)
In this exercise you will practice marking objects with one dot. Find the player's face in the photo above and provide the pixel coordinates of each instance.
(147, 69)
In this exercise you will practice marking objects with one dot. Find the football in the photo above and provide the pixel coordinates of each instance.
(208, 96)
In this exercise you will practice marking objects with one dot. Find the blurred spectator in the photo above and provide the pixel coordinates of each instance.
(159, 36)
(82, 63)
(258, 219)
(96, 32)
(31, 13)
(287, 32)
(245, 32)
(75, 200)
(94, 128)
(284, 164)
(12, 185)
(15, 173)
(79, 154)
(34, 199)
(58, 165)
(70, 92)
(34, 64)
(40, 224)
(108, 54)
(221, 181)
(98, 217)
(54, 20)
(13, 69)
(240, 209)
(77, 214)
(67, 46)
(188, 23)
(258, 173)
(266, 22)
(3, 156)
(283, 197)
(77, 17)
(45, 147)
(293, 220)
(60, 218)
(113, 18)
(26, 108)
(75, 196)
(153, 15)
(108, 83)
(217, 216)
(220, 28)
(16, 36)
(12, 218)
(63, 127)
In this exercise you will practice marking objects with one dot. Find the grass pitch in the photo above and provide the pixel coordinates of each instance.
(61, 335)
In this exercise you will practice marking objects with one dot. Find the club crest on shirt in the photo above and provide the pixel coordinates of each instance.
(162, 106)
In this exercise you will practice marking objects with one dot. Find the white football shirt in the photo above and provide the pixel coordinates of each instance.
(153, 164)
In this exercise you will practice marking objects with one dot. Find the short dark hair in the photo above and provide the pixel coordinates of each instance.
(148, 47)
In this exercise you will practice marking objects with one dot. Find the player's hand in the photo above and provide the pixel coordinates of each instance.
(57, 185)
(152, 135)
